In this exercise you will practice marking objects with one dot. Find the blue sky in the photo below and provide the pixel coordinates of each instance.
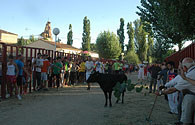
(18, 15)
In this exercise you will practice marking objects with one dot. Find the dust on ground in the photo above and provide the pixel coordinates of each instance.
(77, 106)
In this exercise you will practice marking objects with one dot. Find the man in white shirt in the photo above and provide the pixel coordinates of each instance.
(38, 63)
(188, 104)
(141, 73)
(89, 67)
(99, 66)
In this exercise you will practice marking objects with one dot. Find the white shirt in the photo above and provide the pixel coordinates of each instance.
(183, 84)
(11, 70)
(173, 82)
(89, 66)
(141, 67)
(99, 67)
(39, 62)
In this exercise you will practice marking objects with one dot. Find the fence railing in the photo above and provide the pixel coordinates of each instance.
(28, 53)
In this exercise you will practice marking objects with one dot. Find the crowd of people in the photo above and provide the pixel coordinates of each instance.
(177, 85)
(43, 72)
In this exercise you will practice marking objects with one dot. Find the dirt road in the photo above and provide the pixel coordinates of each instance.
(77, 106)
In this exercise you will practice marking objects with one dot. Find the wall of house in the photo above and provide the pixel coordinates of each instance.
(9, 38)
(69, 51)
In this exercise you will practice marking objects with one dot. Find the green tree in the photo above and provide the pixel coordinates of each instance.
(93, 47)
(173, 20)
(69, 36)
(32, 39)
(120, 33)
(21, 41)
(161, 49)
(108, 45)
(150, 48)
(130, 32)
(132, 57)
(86, 35)
(140, 40)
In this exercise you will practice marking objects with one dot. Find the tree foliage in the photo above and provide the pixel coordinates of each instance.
(93, 47)
(69, 36)
(140, 40)
(86, 34)
(22, 41)
(173, 20)
(120, 33)
(132, 57)
(161, 49)
(150, 48)
(108, 45)
(130, 32)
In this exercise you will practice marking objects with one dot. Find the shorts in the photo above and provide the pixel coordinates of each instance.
(66, 75)
(141, 75)
(44, 76)
(188, 107)
(87, 75)
(11, 79)
(20, 80)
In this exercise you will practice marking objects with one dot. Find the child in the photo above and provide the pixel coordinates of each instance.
(12, 73)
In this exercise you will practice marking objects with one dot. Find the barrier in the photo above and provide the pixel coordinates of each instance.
(28, 53)
(189, 51)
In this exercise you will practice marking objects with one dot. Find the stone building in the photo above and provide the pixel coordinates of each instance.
(47, 32)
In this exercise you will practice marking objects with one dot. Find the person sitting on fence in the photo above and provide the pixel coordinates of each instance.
(11, 77)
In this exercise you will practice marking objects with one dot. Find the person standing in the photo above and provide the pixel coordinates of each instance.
(99, 66)
(56, 71)
(82, 72)
(154, 73)
(21, 68)
(73, 75)
(172, 98)
(38, 63)
(116, 66)
(141, 73)
(44, 72)
(89, 66)
(11, 77)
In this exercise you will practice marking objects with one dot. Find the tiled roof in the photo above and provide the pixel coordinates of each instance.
(3, 31)
(61, 45)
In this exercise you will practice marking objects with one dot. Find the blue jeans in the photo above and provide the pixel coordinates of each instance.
(153, 81)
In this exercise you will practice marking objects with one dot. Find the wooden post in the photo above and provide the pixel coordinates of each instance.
(4, 68)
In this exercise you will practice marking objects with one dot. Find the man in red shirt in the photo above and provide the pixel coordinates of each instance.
(44, 71)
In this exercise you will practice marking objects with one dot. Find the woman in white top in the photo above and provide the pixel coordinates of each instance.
(12, 73)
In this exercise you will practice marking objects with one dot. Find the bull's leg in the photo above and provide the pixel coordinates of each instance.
(123, 93)
(110, 98)
(106, 97)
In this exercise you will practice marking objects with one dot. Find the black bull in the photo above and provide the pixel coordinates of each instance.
(107, 82)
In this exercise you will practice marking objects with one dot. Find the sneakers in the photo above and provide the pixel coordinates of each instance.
(19, 97)
(88, 88)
